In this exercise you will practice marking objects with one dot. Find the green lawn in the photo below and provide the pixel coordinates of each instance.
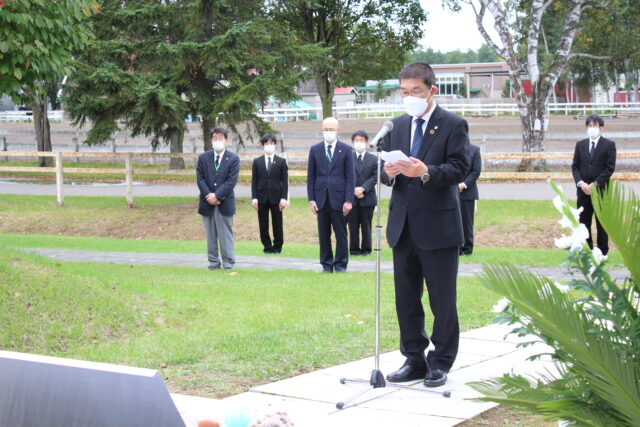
(210, 333)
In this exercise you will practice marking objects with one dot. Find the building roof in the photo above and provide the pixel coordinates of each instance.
(343, 90)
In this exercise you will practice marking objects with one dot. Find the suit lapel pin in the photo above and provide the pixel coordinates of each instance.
(432, 131)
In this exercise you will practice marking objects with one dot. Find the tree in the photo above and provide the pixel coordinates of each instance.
(154, 62)
(519, 26)
(380, 93)
(362, 39)
(462, 89)
(430, 56)
(36, 38)
(613, 31)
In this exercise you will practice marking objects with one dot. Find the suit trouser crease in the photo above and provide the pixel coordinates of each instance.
(359, 220)
(466, 208)
(219, 231)
(586, 218)
(329, 218)
(276, 224)
(439, 268)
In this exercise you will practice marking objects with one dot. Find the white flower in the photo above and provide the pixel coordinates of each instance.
(575, 241)
(501, 306)
(599, 259)
(559, 204)
(562, 288)
(598, 256)
(565, 222)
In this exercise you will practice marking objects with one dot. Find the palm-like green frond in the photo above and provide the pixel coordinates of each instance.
(566, 327)
(551, 399)
(618, 209)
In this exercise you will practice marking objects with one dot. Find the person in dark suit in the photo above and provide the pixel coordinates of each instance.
(364, 202)
(425, 226)
(330, 188)
(217, 174)
(468, 196)
(594, 161)
(269, 193)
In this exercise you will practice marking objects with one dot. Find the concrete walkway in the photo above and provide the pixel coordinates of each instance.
(268, 262)
(502, 191)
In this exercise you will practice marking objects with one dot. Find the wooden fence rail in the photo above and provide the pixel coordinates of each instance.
(129, 171)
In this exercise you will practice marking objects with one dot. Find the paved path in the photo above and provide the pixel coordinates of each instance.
(267, 262)
(508, 191)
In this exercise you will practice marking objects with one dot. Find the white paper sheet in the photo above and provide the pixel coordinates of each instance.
(393, 156)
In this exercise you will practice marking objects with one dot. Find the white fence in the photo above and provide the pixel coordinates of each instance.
(390, 110)
(27, 116)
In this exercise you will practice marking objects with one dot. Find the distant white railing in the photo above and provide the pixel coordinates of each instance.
(357, 111)
(390, 110)
(27, 116)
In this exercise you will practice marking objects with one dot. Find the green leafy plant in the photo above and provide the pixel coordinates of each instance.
(592, 323)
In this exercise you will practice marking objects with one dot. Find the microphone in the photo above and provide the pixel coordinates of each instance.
(386, 128)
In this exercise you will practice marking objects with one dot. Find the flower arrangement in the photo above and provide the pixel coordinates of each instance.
(592, 323)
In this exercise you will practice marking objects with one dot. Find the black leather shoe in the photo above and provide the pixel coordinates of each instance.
(268, 250)
(435, 378)
(406, 373)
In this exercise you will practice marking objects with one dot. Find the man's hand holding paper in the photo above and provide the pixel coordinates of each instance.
(396, 163)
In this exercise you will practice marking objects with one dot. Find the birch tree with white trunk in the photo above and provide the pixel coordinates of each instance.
(518, 22)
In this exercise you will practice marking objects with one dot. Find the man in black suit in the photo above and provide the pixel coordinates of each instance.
(330, 187)
(365, 196)
(468, 196)
(269, 193)
(217, 174)
(425, 225)
(594, 161)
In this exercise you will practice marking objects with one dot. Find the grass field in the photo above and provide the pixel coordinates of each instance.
(210, 334)
(518, 232)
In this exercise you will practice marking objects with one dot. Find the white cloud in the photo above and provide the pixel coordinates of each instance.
(446, 31)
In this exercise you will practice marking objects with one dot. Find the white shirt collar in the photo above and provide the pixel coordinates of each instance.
(595, 140)
(219, 154)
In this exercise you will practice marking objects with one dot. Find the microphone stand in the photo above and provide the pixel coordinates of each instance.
(377, 378)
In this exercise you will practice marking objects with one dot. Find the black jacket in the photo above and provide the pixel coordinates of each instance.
(432, 210)
(597, 168)
(366, 177)
(271, 186)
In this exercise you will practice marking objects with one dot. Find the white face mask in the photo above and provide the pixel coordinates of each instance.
(593, 132)
(359, 146)
(329, 136)
(218, 146)
(415, 106)
(269, 149)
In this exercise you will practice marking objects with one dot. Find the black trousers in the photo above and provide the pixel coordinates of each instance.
(276, 223)
(327, 219)
(359, 220)
(586, 216)
(466, 208)
(413, 266)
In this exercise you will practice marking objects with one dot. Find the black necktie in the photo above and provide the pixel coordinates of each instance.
(217, 161)
(329, 152)
(593, 147)
(269, 164)
(417, 138)
(360, 159)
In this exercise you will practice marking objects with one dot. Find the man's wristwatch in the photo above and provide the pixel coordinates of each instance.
(425, 178)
